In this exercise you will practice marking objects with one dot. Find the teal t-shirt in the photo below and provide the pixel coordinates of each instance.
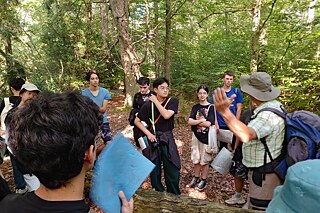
(103, 94)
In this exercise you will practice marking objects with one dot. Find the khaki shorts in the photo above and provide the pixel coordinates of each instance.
(260, 196)
(198, 152)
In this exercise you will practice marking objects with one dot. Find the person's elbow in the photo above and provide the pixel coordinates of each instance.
(248, 136)
(168, 115)
(136, 121)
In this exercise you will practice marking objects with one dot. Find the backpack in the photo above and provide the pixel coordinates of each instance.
(7, 107)
(301, 141)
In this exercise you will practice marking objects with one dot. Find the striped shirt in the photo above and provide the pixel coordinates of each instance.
(268, 125)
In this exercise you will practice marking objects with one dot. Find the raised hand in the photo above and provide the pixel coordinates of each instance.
(221, 101)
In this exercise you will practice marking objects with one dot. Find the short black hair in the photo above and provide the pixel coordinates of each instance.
(143, 81)
(89, 73)
(160, 81)
(16, 83)
(202, 86)
(50, 135)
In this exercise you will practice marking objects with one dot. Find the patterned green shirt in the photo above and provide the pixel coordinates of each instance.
(269, 125)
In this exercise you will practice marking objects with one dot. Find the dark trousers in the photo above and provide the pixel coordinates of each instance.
(19, 181)
(171, 172)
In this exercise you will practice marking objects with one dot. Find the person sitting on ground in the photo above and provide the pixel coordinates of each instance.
(202, 116)
(55, 139)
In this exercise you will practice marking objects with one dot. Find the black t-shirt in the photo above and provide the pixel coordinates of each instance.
(162, 124)
(139, 99)
(202, 110)
(31, 203)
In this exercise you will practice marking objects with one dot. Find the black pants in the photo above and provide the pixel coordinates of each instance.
(171, 172)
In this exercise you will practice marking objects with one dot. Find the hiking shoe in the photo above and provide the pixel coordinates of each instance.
(193, 182)
(202, 184)
(246, 206)
(22, 191)
(235, 200)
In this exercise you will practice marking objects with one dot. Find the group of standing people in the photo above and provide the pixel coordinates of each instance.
(223, 111)
(70, 122)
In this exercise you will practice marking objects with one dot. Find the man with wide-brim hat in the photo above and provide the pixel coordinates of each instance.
(266, 124)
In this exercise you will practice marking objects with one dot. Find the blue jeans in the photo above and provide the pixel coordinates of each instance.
(17, 175)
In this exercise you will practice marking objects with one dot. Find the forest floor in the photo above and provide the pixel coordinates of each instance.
(219, 188)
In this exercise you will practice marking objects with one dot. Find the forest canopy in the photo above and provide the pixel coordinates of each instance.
(52, 43)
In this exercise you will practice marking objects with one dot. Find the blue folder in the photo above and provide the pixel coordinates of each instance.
(119, 167)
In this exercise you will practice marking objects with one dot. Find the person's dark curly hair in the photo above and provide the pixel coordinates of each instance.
(50, 135)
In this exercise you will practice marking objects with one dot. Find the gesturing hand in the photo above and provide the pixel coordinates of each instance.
(221, 101)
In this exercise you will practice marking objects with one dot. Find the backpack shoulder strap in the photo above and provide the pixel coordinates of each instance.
(263, 140)
(275, 111)
(156, 120)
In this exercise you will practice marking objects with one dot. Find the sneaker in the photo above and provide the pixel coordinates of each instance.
(246, 206)
(202, 184)
(235, 200)
(22, 191)
(193, 182)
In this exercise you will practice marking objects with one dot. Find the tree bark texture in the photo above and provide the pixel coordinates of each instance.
(129, 59)
(167, 45)
(156, 39)
(256, 16)
(104, 21)
(150, 201)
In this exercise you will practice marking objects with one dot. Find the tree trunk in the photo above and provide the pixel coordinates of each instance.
(259, 34)
(156, 39)
(149, 201)
(89, 31)
(104, 21)
(129, 59)
(255, 36)
(311, 13)
(168, 40)
(9, 58)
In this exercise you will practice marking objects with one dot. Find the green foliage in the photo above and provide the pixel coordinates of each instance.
(55, 42)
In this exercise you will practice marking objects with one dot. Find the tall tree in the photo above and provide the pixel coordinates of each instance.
(167, 45)
(129, 58)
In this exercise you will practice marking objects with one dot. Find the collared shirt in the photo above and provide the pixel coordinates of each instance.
(265, 124)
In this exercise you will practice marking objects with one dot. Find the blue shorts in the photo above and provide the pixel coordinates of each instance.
(106, 132)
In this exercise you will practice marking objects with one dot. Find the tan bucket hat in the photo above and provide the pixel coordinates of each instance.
(259, 85)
